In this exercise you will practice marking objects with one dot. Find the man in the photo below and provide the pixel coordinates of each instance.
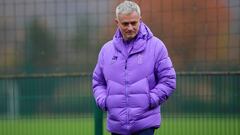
(134, 75)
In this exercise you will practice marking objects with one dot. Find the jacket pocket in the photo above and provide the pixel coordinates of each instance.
(151, 83)
(148, 93)
(106, 100)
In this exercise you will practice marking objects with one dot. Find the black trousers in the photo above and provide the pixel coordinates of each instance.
(148, 131)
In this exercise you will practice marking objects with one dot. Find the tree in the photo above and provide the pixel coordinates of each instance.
(40, 54)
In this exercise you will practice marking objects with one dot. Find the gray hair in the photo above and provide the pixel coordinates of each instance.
(127, 7)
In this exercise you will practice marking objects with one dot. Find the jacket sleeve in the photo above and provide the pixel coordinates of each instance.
(165, 77)
(99, 84)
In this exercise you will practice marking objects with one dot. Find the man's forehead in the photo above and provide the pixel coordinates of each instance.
(129, 15)
(129, 21)
(128, 18)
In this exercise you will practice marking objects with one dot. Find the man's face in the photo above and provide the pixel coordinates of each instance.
(128, 24)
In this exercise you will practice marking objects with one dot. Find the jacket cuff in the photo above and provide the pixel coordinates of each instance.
(103, 105)
(153, 100)
(102, 108)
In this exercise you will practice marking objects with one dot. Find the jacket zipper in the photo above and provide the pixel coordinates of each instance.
(126, 93)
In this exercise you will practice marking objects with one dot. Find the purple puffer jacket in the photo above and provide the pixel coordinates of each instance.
(132, 86)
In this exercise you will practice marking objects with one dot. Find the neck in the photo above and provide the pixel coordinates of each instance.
(129, 40)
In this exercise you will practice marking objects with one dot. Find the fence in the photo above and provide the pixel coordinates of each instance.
(204, 103)
(66, 35)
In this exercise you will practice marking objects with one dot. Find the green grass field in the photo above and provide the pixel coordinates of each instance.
(85, 126)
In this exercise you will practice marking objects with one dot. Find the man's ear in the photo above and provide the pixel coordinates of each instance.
(116, 21)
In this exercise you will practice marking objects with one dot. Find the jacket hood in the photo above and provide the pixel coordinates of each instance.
(143, 35)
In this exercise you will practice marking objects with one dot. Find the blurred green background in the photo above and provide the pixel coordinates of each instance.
(48, 49)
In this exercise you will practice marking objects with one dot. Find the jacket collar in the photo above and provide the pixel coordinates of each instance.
(139, 43)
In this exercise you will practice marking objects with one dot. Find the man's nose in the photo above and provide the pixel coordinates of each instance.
(130, 27)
